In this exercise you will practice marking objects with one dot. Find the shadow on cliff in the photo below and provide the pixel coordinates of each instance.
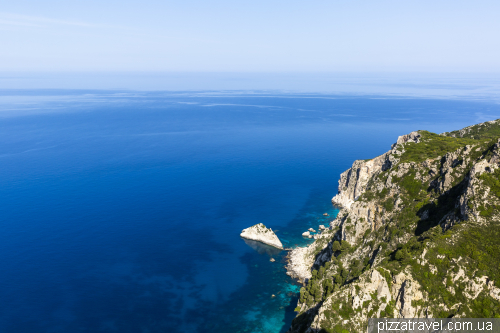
(327, 251)
(303, 321)
(437, 210)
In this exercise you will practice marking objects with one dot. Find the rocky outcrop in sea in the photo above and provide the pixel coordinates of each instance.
(260, 233)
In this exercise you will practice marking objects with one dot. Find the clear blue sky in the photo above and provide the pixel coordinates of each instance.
(250, 36)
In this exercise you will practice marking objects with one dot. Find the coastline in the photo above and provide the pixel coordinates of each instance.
(351, 186)
(299, 267)
(301, 259)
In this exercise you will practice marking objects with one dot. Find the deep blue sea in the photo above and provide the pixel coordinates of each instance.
(121, 210)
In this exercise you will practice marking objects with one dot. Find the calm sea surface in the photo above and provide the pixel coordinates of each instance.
(121, 211)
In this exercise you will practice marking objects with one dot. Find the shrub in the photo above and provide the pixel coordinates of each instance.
(492, 181)
(367, 233)
(345, 246)
(388, 204)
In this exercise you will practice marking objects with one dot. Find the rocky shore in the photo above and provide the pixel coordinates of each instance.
(299, 264)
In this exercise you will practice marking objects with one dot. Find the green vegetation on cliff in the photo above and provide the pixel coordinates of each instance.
(423, 239)
(431, 146)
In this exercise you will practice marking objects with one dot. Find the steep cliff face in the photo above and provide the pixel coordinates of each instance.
(370, 297)
(418, 235)
(353, 181)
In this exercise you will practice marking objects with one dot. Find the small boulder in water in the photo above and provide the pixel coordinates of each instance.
(325, 214)
(306, 234)
(311, 230)
(272, 260)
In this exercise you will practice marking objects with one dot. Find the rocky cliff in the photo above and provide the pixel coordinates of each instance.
(353, 181)
(417, 236)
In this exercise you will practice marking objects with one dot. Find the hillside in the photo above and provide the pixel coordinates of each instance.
(418, 235)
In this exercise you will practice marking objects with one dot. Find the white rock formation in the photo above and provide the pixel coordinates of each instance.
(260, 233)
(412, 137)
(300, 262)
(405, 290)
(306, 234)
(352, 182)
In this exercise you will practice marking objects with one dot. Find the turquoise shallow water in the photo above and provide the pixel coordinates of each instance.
(121, 211)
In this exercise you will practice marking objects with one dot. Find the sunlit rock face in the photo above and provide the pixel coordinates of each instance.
(260, 233)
